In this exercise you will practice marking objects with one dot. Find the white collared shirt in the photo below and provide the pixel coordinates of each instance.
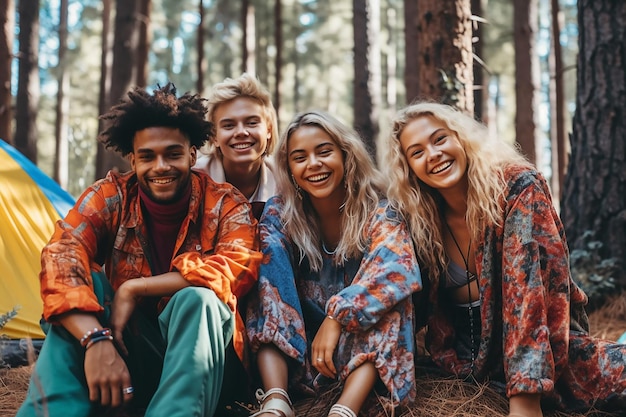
(266, 188)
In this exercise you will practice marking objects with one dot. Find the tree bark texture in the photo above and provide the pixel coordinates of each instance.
(595, 186)
(28, 80)
(445, 52)
(278, 59)
(123, 73)
(480, 86)
(366, 26)
(201, 63)
(557, 104)
(411, 46)
(7, 20)
(525, 26)
(145, 41)
(63, 105)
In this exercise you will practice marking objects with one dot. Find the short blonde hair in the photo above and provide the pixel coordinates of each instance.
(247, 86)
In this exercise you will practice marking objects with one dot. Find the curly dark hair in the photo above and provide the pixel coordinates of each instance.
(141, 110)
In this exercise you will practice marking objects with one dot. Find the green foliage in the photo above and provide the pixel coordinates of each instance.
(4, 319)
(593, 273)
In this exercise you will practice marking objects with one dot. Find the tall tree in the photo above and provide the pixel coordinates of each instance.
(366, 25)
(595, 185)
(247, 39)
(525, 23)
(201, 64)
(7, 12)
(557, 104)
(278, 59)
(390, 60)
(145, 41)
(478, 66)
(105, 60)
(123, 73)
(411, 46)
(28, 80)
(445, 52)
(63, 103)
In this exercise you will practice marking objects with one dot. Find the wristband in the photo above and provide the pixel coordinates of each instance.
(94, 334)
(94, 340)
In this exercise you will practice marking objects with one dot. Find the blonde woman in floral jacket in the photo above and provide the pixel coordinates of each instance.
(503, 305)
(335, 285)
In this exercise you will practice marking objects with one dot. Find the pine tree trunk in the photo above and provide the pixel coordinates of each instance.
(480, 86)
(62, 107)
(28, 80)
(595, 185)
(7, 12)
(145, 42)
(411, 47)
(278, 59)
(123, 73)
(366, 25)
(445, 52)
(200, 64)
(557, 104)
(525, 26)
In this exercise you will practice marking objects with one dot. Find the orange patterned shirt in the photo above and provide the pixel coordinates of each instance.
(217, 246)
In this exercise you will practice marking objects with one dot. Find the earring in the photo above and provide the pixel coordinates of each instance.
(298, 189)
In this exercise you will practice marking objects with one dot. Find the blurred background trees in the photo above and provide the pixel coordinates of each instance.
(514, 64)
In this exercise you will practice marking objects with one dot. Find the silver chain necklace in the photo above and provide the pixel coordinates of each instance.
(326, 251)
(468, 274)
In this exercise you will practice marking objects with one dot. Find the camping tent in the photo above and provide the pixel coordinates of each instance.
(30, 203)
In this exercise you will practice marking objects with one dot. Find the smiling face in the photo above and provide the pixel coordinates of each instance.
(434, 154)
(162, 159)
(316, 163)
(242, 132)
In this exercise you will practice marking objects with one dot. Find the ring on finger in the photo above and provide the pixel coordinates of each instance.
(319, 360)
(128, 390)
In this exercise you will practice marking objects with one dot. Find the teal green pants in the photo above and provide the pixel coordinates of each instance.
(176, 362)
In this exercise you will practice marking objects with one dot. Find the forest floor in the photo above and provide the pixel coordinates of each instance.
(437, 396)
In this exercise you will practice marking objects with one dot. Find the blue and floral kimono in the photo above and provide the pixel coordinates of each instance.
(370, 296)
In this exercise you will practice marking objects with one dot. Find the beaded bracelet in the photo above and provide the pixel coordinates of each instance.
(97, 339)
(92, 334)
(87, 335)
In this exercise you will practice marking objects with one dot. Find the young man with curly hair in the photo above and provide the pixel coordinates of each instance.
(140, 281)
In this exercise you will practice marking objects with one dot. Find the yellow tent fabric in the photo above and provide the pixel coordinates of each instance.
(27, 218)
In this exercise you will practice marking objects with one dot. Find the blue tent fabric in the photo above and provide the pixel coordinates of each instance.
(60, 199)
(30, 204)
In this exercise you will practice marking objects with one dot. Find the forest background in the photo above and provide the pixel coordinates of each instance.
(549, 74)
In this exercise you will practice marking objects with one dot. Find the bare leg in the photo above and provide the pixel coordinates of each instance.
(274, 373)
(525, 405)
(357, 387)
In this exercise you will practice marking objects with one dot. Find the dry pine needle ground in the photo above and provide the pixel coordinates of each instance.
(437, 396)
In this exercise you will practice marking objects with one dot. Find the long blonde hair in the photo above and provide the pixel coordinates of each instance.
(363, 184)
(420, 204)
(246, 86)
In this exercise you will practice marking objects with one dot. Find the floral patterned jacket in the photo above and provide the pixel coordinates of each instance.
(529, 300)
(369, 295)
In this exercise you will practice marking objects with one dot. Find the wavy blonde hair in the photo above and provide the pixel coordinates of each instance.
(487, 159)
(363, 184)
(246, 86)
